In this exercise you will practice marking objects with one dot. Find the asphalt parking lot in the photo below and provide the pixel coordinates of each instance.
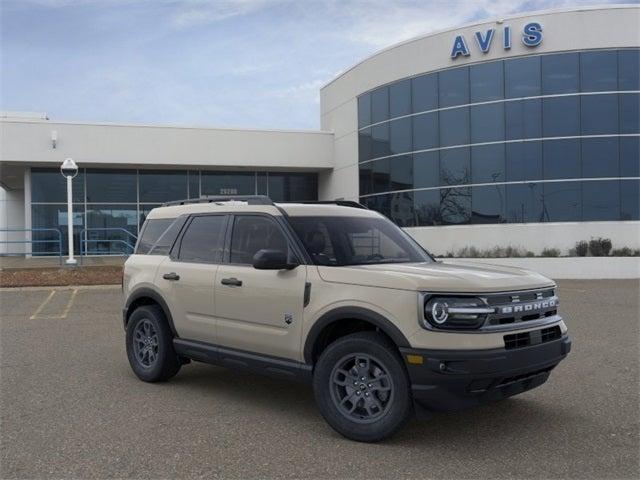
(71, 407)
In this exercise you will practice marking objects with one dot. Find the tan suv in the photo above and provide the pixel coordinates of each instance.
(337, 295)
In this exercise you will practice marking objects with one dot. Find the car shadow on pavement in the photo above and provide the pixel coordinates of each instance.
(294, 402)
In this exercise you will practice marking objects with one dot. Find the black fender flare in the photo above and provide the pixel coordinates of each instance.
(357, 313)
(145, 292)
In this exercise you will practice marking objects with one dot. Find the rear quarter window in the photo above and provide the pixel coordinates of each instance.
(151, 232)
(158, 235)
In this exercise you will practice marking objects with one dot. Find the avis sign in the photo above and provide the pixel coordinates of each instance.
(531, 37)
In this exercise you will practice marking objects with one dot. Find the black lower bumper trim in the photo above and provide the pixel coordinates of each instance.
(449, 380)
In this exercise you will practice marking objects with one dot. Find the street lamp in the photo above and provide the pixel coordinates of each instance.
(69, 169)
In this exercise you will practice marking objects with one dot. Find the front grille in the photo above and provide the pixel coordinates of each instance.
(535, 337)
(519, 307)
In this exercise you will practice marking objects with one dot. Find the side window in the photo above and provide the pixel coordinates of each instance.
(203, 241)
(163, 245)
(317, 240)
(252, 233)
(151, 233)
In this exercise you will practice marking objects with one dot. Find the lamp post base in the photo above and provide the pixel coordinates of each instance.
(71, 262)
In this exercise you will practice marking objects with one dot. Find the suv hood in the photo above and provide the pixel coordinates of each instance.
(437, 277)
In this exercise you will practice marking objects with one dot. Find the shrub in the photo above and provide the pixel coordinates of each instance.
(550, 252)
(600, 247)
(625, 252)
(582, 248)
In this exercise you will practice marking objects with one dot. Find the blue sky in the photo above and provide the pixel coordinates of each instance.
(241, 63)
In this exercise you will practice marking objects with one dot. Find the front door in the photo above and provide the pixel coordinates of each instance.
(259, 310)
(188, 277)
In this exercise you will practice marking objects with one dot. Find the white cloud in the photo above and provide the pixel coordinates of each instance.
(190, 13)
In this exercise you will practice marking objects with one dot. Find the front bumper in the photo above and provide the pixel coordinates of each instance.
(449, 380)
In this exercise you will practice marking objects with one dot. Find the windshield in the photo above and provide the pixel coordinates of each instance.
(340, 241)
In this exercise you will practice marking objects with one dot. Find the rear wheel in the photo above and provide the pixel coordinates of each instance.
(361, 387)
(150, 345)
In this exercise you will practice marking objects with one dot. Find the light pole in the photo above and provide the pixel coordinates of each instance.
(69, 169)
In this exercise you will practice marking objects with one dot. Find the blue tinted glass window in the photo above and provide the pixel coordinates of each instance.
(600, 157)
(455, 166)
(629, 70)
(562, 202)
(454, 127)
(561, 116)
(522, 77)
(381, 175)
(487, 164)
(426, 205)
(426, 169)
(194, 184)
(523, 119)
(629, 113)
(365, 177)
(424, 92)
(400, 98)
(53, 216)
(162, 186)
(49, 186)
(487, 81)
(601, 200)
(380, 141)
(523, 161)
(561, 159)
(288, 187)
(262, 183)
(364, 110)
(425, 131)
(380, 105)
(560, 73)
(524, 203)
(228, 183)
(599, 71)
(401, 209)
(401, 170)
(365, 144)
(400, 135)
(455, 205)
(379, 203)
(630, 156)
(116, 220)
(599, 114)
(487, 123)
(112, 186)
(630, 199)
(454, 87)
(488, 204)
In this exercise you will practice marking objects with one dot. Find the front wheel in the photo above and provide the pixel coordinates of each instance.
(150, 345)
(361, 387)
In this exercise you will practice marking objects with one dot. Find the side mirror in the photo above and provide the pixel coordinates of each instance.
(272, 260)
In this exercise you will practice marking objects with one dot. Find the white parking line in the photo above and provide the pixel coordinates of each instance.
(42, 305)
(60, 316)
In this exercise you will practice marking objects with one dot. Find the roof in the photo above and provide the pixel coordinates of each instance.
(514, 16)
(293, 209)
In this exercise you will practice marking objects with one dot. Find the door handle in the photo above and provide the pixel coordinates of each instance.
(171, 276)
(232, 282)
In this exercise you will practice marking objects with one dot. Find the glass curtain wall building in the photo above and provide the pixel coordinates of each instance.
(540, 138)
(111, 205)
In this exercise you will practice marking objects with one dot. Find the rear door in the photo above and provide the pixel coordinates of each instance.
(187, 277)
(259, 310)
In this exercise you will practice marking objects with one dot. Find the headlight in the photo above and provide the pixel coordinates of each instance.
(455, 312)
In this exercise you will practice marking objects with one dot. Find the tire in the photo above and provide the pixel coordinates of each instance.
(383, 404)
(150, 345)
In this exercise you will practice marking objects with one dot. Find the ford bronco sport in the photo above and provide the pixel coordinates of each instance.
(337, 295)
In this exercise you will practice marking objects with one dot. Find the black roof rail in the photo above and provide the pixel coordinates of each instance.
(341, 203)
(250, 199)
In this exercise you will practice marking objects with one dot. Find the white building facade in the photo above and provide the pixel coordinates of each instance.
(522, 131)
